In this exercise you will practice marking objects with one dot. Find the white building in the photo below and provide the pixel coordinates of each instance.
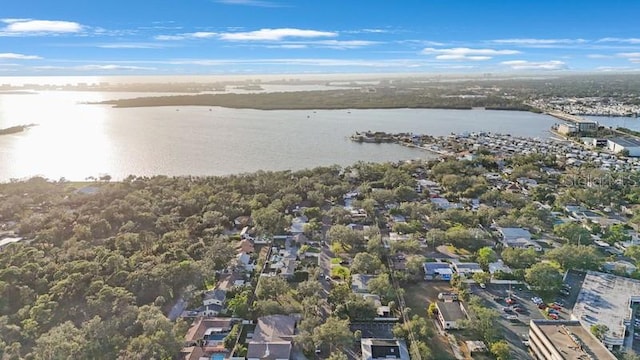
(619, 144)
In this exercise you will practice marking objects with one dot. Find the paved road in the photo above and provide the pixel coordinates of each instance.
(177, 309)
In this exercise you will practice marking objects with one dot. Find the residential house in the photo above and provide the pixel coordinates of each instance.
(213, 302)
(378, 349)
(437, 271)
(499, 267)
(450, 313)
(619, 266)
(518, 238)
(244, 261)
(205, 337)
(272, 338)
(297, 224)
(360, 283)
(466, 269)
(230, 280)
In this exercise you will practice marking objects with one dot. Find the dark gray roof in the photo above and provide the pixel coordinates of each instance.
(450, 311)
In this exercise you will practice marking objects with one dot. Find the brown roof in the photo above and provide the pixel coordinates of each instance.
(192, 353)
(269, 350)
(201, 324)
(245, 246)
(227, 281)
(274, 328)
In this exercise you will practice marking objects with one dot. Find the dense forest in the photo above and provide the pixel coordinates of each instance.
(332, 99)
(101, 263)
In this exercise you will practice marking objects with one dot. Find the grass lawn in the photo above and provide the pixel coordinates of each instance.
(455, 250)
(417, 297)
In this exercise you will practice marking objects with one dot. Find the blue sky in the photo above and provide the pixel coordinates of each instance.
(78, 37)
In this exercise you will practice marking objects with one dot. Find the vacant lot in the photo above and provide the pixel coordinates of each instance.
(417, 297)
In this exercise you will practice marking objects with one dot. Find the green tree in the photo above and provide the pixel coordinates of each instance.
(599, 330)
(501, 350)
(364, 263)
(544, 277)
(482, 277)
(486, 255)
(338, 356)
(576, 257)
(271, 288)
(633, 252)
(334, 332)
(269, 220)
(349, 240)
(381, 286)
(420, 350)
(519, 258)
(574, 233)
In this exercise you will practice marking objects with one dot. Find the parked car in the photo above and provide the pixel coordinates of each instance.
(559, 302)
(536, 300)
(554, 316)
(519, 309)
(542, 306)
(507, 310)
(566, 286)
(483, 286)
(564, 292)
(510, 300)
(555, 306)
(497, 299)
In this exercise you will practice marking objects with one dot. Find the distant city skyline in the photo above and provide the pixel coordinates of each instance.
(164, 37)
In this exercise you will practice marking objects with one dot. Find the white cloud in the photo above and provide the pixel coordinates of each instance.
(538, 42)
(386, 63)
(621, 40)
(616, 68)
(132, 46)
(258, 3)
(169, 37)
(535, 65)
(203, 34)
(343, 44)
(463, 57)
(288, 46)
(14, 56)
(629, 55)
(112, 67)
(598, 56)
(467, 54)
(275, 34)
(30, 26)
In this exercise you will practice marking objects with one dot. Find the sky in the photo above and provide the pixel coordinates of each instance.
(175, 37)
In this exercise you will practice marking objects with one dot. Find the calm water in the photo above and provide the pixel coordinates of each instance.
(75, 140)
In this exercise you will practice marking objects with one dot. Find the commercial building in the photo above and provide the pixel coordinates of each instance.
(607, 299)
(618, 144)
(564, 340)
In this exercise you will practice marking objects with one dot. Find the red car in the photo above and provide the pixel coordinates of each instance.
(510, 301)
(556, 307)
(553, 316)
(542, 306)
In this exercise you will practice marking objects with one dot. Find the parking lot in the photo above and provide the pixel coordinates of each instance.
(513, 331)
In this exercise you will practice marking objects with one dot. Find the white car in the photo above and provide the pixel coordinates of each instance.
(483, 286)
